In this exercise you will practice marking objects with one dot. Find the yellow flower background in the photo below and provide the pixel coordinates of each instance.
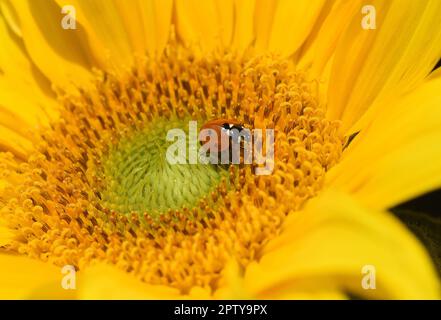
(83, 115)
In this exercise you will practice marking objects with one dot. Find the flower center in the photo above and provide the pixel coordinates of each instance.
(99, 188)
(140, 179)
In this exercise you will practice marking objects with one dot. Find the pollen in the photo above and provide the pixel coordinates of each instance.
(98, 187)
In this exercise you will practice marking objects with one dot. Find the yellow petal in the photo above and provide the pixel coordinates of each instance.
(327, 246)
(243, 33)
(20, 75)
(321, 43)
(104, 27)
(20, 113)
(12, 142)
(371, 65)
(156, 18)
(435, 74)
(24, 278)
(396, 157)
(60, 54)
(232, 285)
(292, 23)
(10, 16)
(24, 113)
(206, 23)
(107, 282)
(308, 295)
(119, 30)
(263, 21)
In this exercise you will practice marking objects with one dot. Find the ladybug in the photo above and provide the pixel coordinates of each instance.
(227, 131)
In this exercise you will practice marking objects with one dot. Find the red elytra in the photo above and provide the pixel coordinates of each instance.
(222, 128)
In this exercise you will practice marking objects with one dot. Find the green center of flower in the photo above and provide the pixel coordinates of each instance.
(139, 178)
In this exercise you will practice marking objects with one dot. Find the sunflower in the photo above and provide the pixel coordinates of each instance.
(84, 113)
